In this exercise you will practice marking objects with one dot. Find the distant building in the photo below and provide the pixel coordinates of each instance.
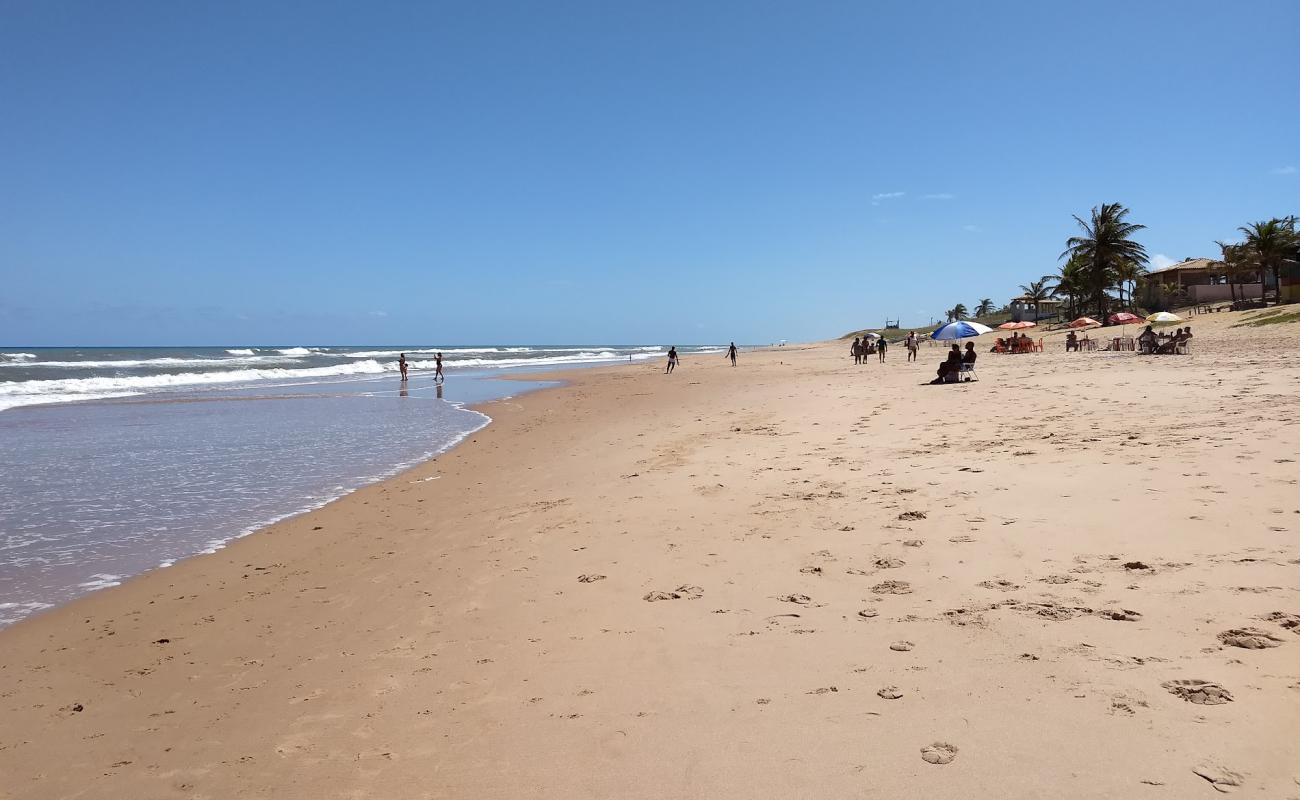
(1023, 309)
(1201, 280)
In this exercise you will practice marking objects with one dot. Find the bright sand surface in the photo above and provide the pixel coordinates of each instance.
(1055, 542)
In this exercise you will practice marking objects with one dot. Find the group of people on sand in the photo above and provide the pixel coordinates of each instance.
(864, 346)
(950, 368)
(1018, 343)
(1163, 344)
(403, 367)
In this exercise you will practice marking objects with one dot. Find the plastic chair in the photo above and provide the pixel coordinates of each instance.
(967, 373)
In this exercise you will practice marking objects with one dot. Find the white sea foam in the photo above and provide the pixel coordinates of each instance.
(100, 581)
(17, 356)
(240, 352)
(580, 357)
(66, 390)
(295, 351)
(136, 363)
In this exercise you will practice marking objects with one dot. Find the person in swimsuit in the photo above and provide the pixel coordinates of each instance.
(857, 351)
(912, 346)
(401, 365)
(881, 347)
(672, 359)
(731, 353)
(437, 374)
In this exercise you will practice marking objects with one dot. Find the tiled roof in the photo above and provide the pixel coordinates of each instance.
(1191, 263)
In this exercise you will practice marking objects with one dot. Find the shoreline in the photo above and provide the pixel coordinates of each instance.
(500, 633)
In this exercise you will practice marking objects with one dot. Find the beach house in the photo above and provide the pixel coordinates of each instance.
(1202, 280)
(1027, 309)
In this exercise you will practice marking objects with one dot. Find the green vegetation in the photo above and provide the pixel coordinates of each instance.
(1274, 317)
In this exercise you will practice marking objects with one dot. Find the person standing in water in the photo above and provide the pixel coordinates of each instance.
(731, 353)
(672, 359)
(437, 374)
(881, 347)
(401, 365)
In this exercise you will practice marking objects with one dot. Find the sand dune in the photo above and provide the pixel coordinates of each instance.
(1078, 577)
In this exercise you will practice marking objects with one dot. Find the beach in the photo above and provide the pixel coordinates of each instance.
(793, 578)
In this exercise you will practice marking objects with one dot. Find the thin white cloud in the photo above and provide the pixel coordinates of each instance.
(939, 196)
(1160, 261)
(876, 198)
(972, 228)
(378, 313)
(1287, 170)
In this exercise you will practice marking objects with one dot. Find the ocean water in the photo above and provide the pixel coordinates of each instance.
(115, 461)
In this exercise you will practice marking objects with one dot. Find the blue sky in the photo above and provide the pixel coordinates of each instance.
(371, 172)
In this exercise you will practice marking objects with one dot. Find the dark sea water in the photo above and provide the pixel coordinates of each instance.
(114, 461)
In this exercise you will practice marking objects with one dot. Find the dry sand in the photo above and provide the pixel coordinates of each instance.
(870, 588)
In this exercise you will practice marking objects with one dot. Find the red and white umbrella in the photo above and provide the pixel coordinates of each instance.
(1017, 326)
(1084, 322)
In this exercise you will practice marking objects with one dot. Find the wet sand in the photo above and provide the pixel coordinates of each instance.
(795, 578)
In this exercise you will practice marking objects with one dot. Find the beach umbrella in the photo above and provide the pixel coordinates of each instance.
(1123, 318)
(1083, 322)
(1017, 326)
(1164, 316)
(959, 330)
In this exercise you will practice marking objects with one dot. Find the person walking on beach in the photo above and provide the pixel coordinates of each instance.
(401, 364)
(672, 359)
(731, 353)
(857, 351)
(881, 347)
(912, 345)
(437, 373)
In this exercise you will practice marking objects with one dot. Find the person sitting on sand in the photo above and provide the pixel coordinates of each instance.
(1071, 341)
(1148, 339)
(1000, 346)
(951, 365)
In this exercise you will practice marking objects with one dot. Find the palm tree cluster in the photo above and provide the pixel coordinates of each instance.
(982, 309)
(1103, 257)
(1264, 247)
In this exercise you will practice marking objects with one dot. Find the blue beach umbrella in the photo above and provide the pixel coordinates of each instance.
(960, 330)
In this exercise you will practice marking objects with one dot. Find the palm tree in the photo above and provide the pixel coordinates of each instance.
(1105, 249)
(1127, 275)
(958, 312)
(984, 307)
(1268, 243)
(1236, 263)
(1038, 291)
(1070, 285)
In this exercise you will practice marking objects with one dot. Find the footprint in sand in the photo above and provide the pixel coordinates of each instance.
(1289, 621)
(902, 646)
(811, 570)
(799, 599)
(1249, 638)
(1220, 777)
(960, 539)
(888, 563)
(892, 587)
(914, 542)
(1054, 611)
(911, 515)
(590, 578)
(890, 693)
(939, 753)
(1057, 579)
(868, 613)
(1120, 615)
(1202, 693)
(1000, 585)
(687, 592)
